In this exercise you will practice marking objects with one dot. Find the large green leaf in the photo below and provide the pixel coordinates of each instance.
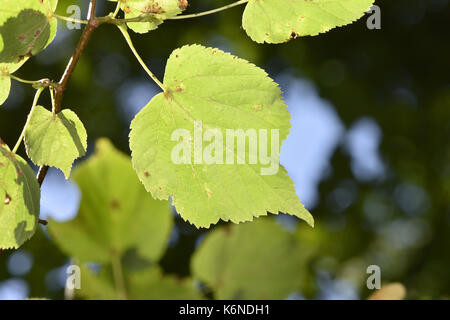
(156, 11)
(145, 284)
(19, 199)
(55, 139)
(277, 21)
(115, 213)
(257, 260)
(208, 88)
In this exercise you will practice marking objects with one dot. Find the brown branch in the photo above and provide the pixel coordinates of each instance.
(85, 36)
(41, 174)
(62, 84)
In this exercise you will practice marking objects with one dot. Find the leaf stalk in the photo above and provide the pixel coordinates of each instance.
(22, 135)
(126, 35)
(201, 14)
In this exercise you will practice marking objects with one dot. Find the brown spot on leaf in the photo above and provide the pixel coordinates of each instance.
(182, 4)
(127, 9)
(293, 35)
(154, 8)
(21, 37)
(227, 229)
(115, 204)
(179, 89)
(7, 198)
(168, 94)
(146, 174)
(37, 33)
(208, 191)
(28, 55)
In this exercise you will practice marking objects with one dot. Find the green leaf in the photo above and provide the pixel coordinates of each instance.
(146, 284)
(5, 86)
(5, 80)
(18, 41)
(156, 11)
(278, 21)
(151, 284)
(115, 213)
(223, 93)
(26, 28)
(19, 200)
(55, 139)
(257, 260)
